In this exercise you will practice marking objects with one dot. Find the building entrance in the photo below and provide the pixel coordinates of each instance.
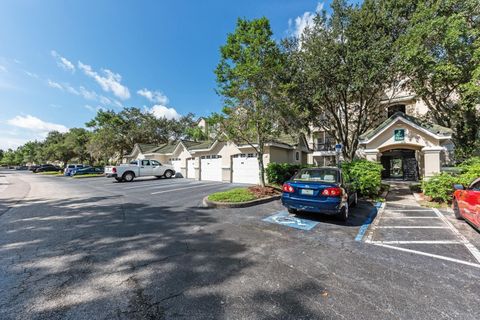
(399, 164)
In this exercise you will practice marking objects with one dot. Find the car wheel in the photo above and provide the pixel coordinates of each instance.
(168, 174)
(119, 179)
(345, 213)
(355, 200)
(456, 210)
(292, 211)
(128, 176)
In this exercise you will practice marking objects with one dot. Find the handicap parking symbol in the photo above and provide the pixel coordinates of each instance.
(286, 219)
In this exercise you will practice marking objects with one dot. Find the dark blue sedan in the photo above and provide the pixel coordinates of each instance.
(321, 190)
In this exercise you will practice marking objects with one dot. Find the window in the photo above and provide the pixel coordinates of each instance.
(145, 162)
(155, 163)
(395, 108)
(297, 155)
(134, 162)
(475, 186)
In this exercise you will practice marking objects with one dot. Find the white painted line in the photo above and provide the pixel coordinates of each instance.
(374, 225)
(419, 242)
(162, 184)
(412, 227)
(196, 186)
(412, 217)
(408, 210)
(476, 265)
(473, 250)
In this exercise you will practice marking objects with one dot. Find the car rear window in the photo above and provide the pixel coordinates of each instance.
(71, 166)
(318, 174)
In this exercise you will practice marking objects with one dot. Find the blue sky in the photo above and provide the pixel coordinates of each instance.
(62, 60)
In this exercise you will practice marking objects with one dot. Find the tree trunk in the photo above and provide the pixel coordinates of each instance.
(261, 171)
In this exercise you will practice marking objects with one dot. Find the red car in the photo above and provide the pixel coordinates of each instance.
(466, 202)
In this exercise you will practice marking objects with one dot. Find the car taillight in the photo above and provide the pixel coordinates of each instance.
(287, 188)
(114, 170)
(332, 192)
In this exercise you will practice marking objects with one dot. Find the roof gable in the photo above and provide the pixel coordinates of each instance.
(433, 130)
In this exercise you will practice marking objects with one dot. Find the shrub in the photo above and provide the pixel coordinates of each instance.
(364, 175)
(470, 170)
(278, 173)
(440, 187)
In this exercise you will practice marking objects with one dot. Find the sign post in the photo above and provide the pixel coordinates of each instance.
(338, 149)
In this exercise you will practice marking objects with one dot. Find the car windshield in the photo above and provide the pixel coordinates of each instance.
(317, 174)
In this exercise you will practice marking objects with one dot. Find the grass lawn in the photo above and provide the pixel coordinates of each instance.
(233, 195)
(51, 173)
(89, 175)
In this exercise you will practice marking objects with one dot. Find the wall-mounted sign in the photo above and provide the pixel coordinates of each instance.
(399, 135)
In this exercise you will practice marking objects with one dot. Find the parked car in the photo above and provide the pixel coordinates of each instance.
(21, 168)
(33, 167)
(70, 167)
(320, 190)
(88, 170)
(466, 203)
(139, 168)
(48, 168)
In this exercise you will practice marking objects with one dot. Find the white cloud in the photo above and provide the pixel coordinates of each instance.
(300, 23)
(93, 109)
(153, 96)
(54, 84)
(11, 142)
(31, 74)
(63, 62)
(160, 111)
(36, 125)
(109, 81)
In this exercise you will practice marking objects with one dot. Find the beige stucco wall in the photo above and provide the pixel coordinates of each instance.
(414, 138)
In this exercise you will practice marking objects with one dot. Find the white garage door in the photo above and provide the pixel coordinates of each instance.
(211, 168)
(191, 168)
(177, 164)
(245, 168)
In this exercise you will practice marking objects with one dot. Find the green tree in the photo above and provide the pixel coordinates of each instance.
(76, 140)
(246, 78)
(343, 64)
(440, 54)
(56, 147)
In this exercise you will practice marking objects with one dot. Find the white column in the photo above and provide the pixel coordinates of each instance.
(372, 154)
(431, 160)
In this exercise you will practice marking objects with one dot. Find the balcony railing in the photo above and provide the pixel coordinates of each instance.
(327, 146)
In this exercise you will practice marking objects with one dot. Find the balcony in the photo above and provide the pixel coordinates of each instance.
(326, 148)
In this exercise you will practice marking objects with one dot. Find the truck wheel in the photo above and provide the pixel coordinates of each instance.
(168, 174)
(128, 176)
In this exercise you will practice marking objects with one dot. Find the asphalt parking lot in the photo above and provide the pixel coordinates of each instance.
(95, 248)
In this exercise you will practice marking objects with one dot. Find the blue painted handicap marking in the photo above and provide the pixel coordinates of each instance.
(290, 220)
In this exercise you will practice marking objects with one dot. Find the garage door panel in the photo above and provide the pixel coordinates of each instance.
(211, 169)
(245, 170)
(191, 168)
(177, 165)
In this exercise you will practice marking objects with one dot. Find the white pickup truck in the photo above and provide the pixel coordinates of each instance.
(139, 168)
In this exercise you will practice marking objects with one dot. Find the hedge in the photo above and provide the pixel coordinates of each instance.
(365, 176)
(440, 187)
(278, 173)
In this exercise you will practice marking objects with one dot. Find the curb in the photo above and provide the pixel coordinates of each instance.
(213, 204)
(370, 222)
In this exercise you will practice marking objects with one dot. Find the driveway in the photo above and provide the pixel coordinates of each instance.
(93, 248)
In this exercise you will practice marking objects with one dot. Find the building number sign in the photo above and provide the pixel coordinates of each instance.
(399, 134)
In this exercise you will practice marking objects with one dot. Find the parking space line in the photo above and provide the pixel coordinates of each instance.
(419, 242)
(371, 217)
(412, 227)
(156, 185)
(412, 217)
(473, 250)
(409, 210)
(476, 265)
(196, 186)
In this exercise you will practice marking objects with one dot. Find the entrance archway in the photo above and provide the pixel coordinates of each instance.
(400, 164)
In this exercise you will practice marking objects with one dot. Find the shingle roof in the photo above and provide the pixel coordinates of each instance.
(201, 145)
(433, 128)
(144, 147)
